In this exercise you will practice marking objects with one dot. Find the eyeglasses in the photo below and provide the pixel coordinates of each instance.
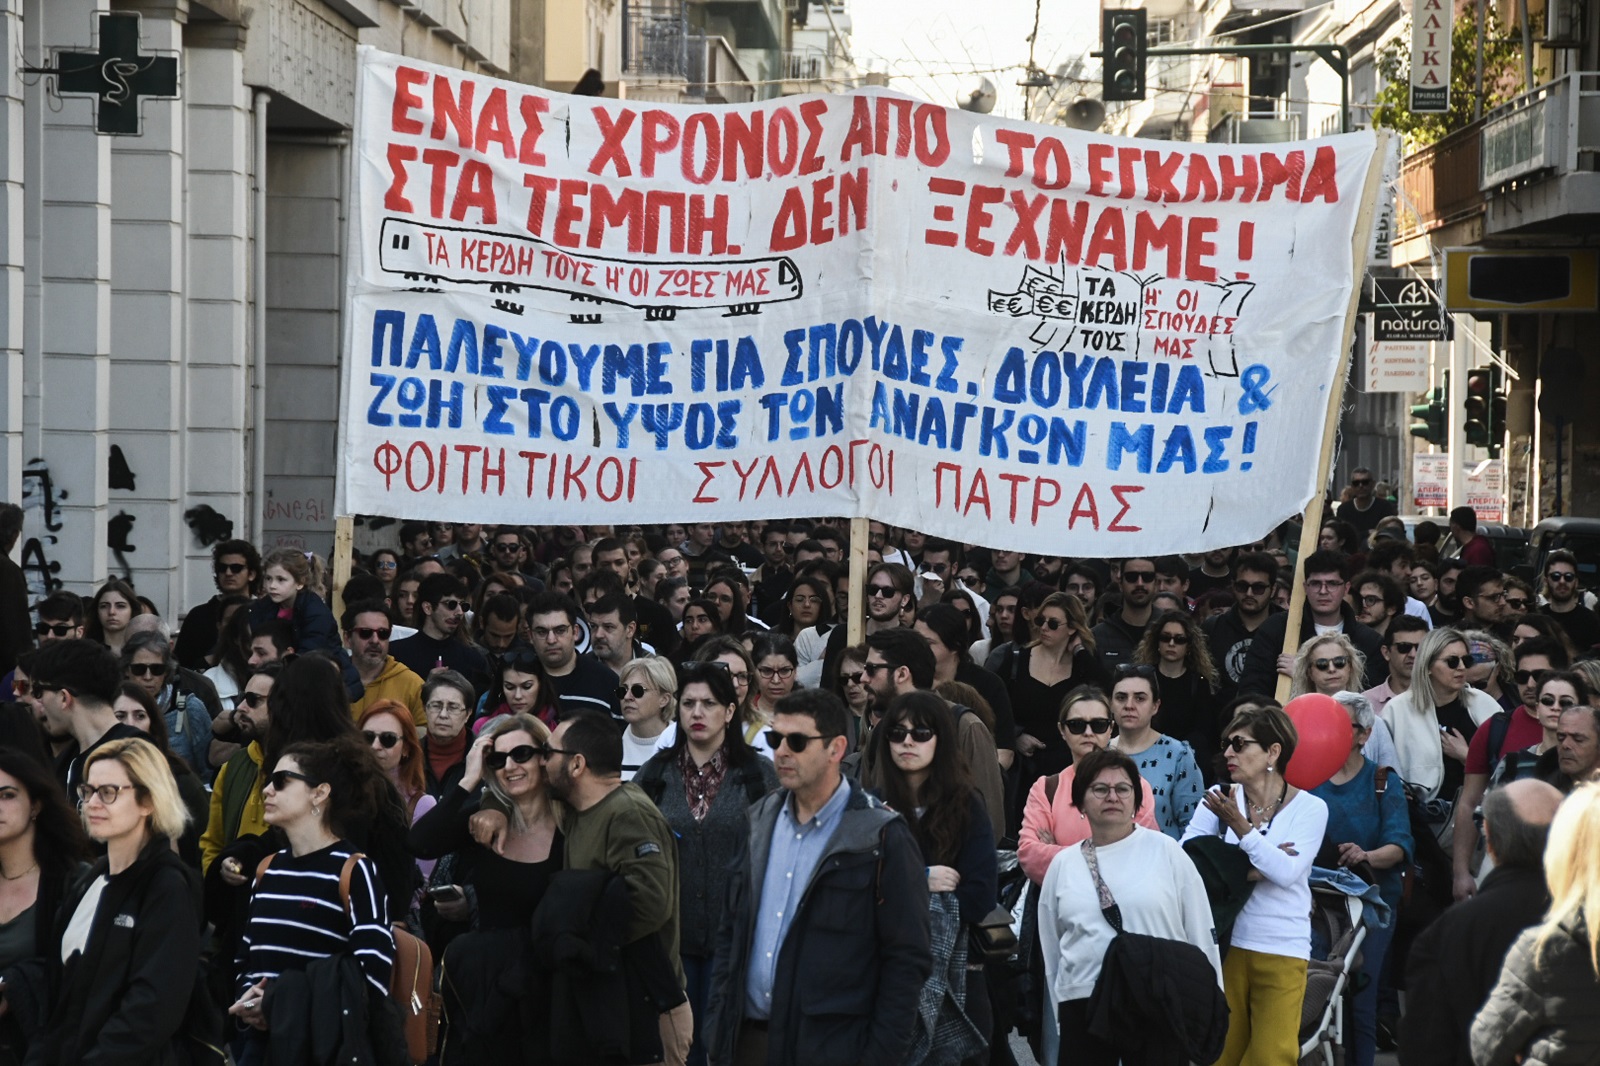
(1052, 624)
(898, 734)
(279, 779)
(546, 632)
(868, 669)
(388, 740)
(635, 690)
(775, 673)
(852, 678)
(521, 754)
(1138, 577)
(1326, 586)
(507, 546)
(108, 793)
(797, 742)
(450, 603)
(1079, 726)
(1237, 744)
(249, 699)
(367, 633)
(1561, 577)
(882, 591)
(1338, 662)
(1565, 703)
(1518, 604)
(1492, 597)
(1359, 482)
(386, 564)
(230, 568)
(147, 669)
(1252, 588)
(1174, 638)
(1100, 792)
(53, 629)
(1404, 647)
(441, 707)
(1371, 601)
(39, 688)
(1455, 662)
(1524, 676)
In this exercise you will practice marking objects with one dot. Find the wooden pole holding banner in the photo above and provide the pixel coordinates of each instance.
(858, 582)
(1361, 243)
(344, 540)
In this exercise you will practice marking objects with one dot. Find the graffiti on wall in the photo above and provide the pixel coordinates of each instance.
(208, 525)
(41, 524)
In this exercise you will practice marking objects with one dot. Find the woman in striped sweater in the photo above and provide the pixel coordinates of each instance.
(300, 911)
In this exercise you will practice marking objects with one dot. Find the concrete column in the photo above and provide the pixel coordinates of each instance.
(148, 281)
(215, 447)
(11, 251)
(73, 308)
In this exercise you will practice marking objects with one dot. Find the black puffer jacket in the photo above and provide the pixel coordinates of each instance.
(1546, 1007)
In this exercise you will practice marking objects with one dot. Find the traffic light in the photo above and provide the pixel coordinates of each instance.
(1433, 425)
(1123, 42)
(1485, 409)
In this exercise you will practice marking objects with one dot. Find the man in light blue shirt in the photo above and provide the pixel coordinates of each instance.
(823, 949)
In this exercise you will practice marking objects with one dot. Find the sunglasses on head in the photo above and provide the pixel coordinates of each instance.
(388, 740)
(367, 633)
(147, 669)
(1079, 726)
(1134, 670)
(1455, 662)
(635, 690)
(798, 742)
(521, 754)
(1338, 662)
(919, 733)
(230, 568)
(53, 629)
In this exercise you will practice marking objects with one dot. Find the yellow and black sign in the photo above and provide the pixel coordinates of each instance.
(1521, 279)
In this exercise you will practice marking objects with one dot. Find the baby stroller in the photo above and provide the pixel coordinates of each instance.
(1336, 923)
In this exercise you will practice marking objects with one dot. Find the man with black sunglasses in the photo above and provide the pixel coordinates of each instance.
(440, 640)
(236, 569)
(1399, 649)
(1363, 509)
(830, 894)
(75, 682)
(1231, 632)
(367, 628)
(1564, 601)
(1116, 638)
(60, 618)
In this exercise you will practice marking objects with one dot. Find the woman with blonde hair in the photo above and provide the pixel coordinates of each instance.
(112, 986)
(1433, 721)
(1545, 1010)
(1327, 663)
(648, 695)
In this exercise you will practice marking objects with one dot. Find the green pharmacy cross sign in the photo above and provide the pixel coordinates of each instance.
(116, 74)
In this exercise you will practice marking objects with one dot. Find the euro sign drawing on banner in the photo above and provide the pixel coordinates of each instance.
(570, 309)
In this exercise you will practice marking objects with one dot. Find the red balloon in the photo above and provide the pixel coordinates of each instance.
(1325, 735)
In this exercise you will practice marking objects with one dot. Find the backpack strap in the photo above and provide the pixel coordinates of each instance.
(1381, 780)
(261, 867)
(1499, 726)
(1051, 783)
(344, 875)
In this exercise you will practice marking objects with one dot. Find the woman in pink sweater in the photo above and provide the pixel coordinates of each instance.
(1050, 823)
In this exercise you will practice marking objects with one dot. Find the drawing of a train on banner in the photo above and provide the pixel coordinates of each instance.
(466, 259)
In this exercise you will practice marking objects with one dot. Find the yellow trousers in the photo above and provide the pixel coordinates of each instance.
(1265, 994)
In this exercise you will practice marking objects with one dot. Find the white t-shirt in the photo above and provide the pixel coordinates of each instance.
(636, 750)
(1276, 920)
(76, 937)
(1157, 889)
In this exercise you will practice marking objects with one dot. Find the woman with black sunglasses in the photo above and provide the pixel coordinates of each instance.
(147, 661)
(1038, 675)
(316, 796)
(923, 773)
(1433, 721)
(1174, 644)
(496, 890)
(705, 784)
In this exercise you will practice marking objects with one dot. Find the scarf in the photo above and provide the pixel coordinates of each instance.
(443, 754)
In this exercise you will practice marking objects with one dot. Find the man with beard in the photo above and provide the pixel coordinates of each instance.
(236, 570)
(889, 592)
(612, 825)
(1565, 604)
(1399, 649)
(1231, 632)
(367, 629)
(1214, 572)
(438, 643)
(654, 621)
(1363, 509)
(1120, 633)
(1327, 578)
(235, 798)
(1378, 599)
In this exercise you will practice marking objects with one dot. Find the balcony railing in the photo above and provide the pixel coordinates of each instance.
(1440, 183)
(1255, 127)
(804, 65)
(1556, 127)
(659, 44)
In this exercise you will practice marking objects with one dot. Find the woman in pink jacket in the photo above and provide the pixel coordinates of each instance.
(1050, 823)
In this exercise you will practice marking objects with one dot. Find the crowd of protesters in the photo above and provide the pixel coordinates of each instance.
(603, 794)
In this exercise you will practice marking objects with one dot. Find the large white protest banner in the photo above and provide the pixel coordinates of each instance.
(569, 309)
